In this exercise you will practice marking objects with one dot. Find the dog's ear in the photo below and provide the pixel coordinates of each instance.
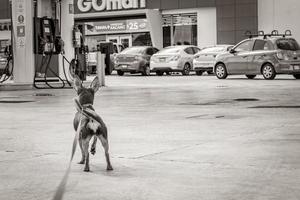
(95, 85)
(77, 83)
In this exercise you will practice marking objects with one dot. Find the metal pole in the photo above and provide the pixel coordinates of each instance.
(101, 68)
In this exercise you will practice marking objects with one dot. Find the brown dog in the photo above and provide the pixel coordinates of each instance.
(89, 127)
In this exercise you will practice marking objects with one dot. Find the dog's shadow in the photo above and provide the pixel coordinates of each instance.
(119, 171)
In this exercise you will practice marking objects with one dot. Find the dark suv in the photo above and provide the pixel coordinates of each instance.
(266, 54)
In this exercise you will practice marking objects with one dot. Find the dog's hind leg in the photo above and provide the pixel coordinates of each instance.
(81, 148)
(93, 148)
(106, 148)
(85, 145)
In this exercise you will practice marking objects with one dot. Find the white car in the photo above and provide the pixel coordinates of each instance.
(204, 61)
(174, 59)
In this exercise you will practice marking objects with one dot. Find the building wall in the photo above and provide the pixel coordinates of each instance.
(5, 12)
(234, 17)
(279, 15)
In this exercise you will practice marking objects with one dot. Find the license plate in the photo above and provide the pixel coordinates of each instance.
(162, 59)
(296, 67)
(124, 66)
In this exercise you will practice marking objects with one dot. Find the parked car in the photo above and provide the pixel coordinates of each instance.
(174, 59)
(266, 54)
(92, 58)
(134, 60)
(204, 61)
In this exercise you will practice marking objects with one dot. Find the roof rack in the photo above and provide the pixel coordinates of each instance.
(273, 33)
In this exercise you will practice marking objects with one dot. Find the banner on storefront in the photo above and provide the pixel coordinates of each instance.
(127, 26)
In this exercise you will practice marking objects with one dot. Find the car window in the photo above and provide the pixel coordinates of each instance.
(115, 49)
(245, 46)
(121, 48)
(171, 50)
(288, 44)
(149, 51)
(134, 50)
(189, 50)
(155, 50)
(196, 50)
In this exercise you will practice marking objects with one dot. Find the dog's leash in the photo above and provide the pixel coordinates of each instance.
(91, 114)
(62, 186)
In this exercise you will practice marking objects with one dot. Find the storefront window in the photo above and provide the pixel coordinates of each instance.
(180, 29)
(141, 39)
(167, 36)
(92, 41)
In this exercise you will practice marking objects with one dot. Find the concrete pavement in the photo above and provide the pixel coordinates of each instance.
(171, 138)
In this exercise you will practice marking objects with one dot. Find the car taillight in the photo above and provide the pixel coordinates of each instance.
(154, 59)
(137, 58)
(175, 58)
(282, 56)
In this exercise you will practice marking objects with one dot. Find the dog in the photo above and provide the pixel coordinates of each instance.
(89, 128)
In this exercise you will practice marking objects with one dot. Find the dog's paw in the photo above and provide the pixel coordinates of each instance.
(109, 168)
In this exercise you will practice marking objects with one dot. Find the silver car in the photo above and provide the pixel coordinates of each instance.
(134, 60)
(205, 60)
(266, 54)
(174, 59)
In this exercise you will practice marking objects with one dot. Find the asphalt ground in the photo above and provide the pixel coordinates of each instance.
(171, 138)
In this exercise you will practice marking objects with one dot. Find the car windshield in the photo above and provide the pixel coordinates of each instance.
(214, 49)
(134, 50)
(288, 44)
(170, 50)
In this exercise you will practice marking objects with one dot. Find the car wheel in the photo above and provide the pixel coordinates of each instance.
(250, 76)
(120, 73)
(186, 69)
(297, 76)
(146, 71)
(221, 71)
(199, 73)
(159, 73)
(268, 72)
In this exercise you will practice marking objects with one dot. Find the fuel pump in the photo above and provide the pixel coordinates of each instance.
(107, 48)
(48, 44)
(78, 64)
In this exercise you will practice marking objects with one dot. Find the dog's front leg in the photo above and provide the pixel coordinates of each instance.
(85, 145)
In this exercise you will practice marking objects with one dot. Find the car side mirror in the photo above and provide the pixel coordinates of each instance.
(232, 51)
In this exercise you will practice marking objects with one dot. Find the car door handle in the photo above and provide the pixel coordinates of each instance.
(245, 56)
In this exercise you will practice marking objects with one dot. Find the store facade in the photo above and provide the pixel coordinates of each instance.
(165, 22)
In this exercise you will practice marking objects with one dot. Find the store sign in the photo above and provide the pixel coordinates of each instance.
(128, 26)
(109, 5)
